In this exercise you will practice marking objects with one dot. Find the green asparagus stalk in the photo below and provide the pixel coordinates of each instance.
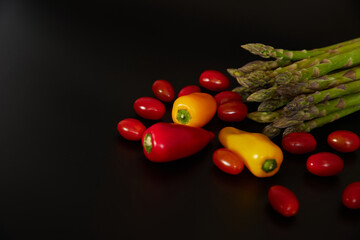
(324, 82)
(265, 117)
(272, 104)
(271, 131)
(258, 66)
(304, 101)
(318, 110)
(243, 91)
(263, 94)
(321, 121)
(342, 60)
(254, 79)
(268, 51)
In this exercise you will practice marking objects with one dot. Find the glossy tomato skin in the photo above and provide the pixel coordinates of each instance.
(343, 141)
(131, 129)
(324, 164)
(351, 196)
(189, 89)
(228, 161)
(299, 143)
(149, 108)
(163, 90)
(283, 200)
(214, 80)
(227, 96)
(234, 111)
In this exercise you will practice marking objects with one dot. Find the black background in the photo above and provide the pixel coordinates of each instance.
(69, 71)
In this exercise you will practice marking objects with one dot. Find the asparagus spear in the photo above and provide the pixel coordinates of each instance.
(243, 91)
(258, 65)
(254, 79)
(303, 101)
(268, 51)
(263, 94)
(265, 117)
(346, 59)
(271, 131)
(250, 69)
(318, 110)
(272, 104)
(324, 82)
(321, 121)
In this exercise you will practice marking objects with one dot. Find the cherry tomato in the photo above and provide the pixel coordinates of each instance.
(283, 200)
(227, 96)
(351, 195)
(189, 89)
(324, 164)
(131, 129)
(214, 80)
(299, 142)
(343, 141)
(234, 111)
(163, 90)
(149, 108)
(228, 161)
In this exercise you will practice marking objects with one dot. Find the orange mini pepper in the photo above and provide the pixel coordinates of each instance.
(195, 109)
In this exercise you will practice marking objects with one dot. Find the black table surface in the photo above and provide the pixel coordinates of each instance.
(70, 71)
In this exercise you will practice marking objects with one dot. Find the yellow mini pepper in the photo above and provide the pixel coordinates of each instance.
(260, 155)
(195, 109)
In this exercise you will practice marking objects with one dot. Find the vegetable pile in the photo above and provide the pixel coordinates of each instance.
(298, 91)
(301, 90)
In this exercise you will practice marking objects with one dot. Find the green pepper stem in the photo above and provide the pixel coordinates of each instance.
(269, 165)
(183, 116)
(148, 143)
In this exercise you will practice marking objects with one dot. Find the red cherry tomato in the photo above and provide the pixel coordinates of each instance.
(227, 161)
(163, 90)
(283, 200)
(227, 96)
(234, 111)
(324, 164)
(149, 108)
(189, 89)
(351, 195)
(214, 80)
(343, 141)
(131, 129)
(299, 143)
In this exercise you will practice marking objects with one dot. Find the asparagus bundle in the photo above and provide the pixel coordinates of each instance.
(301, 89)
(321, 121)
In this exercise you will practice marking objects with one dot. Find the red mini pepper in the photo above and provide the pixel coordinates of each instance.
(164, 142)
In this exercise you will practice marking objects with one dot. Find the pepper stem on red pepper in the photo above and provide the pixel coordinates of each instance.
(148, 143)
(269, 165)
(183, 116)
